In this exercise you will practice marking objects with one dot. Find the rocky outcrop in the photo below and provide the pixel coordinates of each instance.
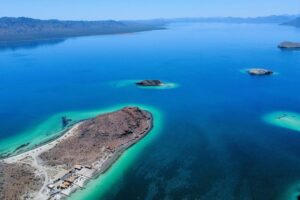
(150, 83)
(259, 72)
(95, 137)
(65, 121)
(289, 45)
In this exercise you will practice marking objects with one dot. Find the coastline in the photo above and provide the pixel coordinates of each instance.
(114, 158)
(50, 129)
(11, 41)
(107, 164)
(102, 183)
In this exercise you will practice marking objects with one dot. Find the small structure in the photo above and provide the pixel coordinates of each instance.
(88, 166)
(78, 167)
(71, 179)
(51, 186)
(64, 185)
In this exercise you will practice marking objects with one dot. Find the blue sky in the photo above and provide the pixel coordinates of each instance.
(144, 9)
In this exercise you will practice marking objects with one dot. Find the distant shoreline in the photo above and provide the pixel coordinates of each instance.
(24, 29)
(7, 42)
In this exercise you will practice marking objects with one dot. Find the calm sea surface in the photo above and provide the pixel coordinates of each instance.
(209, 141)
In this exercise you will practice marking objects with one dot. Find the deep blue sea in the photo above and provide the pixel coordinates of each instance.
(213, 143)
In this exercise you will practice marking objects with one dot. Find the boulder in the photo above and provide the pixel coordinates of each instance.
(150, 83)
(259, 72)
(289, 45)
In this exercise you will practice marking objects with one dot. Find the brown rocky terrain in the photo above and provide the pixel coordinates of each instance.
(289, 45)
(17, 180)
(260, 72)
(93, 138)
(150, 83)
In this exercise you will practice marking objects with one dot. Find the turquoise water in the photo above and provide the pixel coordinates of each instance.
(211, 140)
(284, 119)
(132, 83)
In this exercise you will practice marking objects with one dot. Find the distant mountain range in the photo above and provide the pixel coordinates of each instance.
(277, 19)
(22, 29)
(294, 22)
(27, 29)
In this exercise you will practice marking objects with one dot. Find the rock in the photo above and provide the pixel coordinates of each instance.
(259, 72)
(289, 45)
(150, 83)
(65, 121)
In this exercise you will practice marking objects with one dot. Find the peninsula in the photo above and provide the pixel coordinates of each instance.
(28, 29)
(87, 149)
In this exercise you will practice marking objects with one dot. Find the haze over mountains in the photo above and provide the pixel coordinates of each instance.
(20, 29)
(266, 19)
(294, 22)
(27, 29)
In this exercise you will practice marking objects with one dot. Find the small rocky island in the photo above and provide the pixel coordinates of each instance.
(150, 83)
(259, 72)
(289, 45)
(87, 149)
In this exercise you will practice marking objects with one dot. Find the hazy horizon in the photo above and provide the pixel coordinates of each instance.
(133, 9)
(154, 18)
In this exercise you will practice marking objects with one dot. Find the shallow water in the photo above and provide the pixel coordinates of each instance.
(212, 142)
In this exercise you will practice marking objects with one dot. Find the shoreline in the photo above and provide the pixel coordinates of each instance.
(114, 158)
(49, 129)
(57, 135)
(101, 184)
(11, 41)
(105, 164)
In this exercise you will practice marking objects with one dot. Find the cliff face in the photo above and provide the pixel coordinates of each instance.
(18, 179)
(97, 136)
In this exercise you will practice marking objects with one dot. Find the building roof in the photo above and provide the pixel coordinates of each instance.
(78, 166)
(71, 179)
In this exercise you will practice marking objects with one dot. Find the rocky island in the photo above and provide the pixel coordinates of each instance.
(87, 149)
(259, 72)
(289, 45)
(150, 83)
